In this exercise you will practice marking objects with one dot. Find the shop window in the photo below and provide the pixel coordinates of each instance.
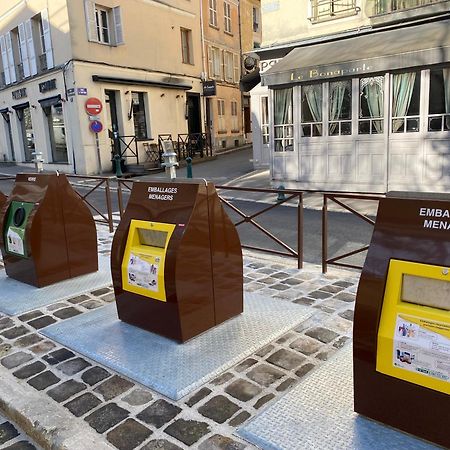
(57, 132)
(322, 10)
(311, 110)
(27, 133)
(265, 120)
(227, 16)
(221, 116)
(213, 13)
(283, 120)
(104, 24)
(186, 46)
(139, 116)
(234, 116)
(405, 102)
(439, 100)
(340, 108)
(371, 105)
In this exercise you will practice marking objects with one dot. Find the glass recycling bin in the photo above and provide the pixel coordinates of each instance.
(47, 234)
(401, 338)
(176, 260)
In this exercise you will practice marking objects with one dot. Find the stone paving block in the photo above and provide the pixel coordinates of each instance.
(6, 323)
(58, 356)
(239, 419)
(286, 337)
(218, 442)
(29, 370)
(21, 445)
(319, 295)
(219, 409)
(4, 349)
(249, 362)
(305, 345)
(199, 395)
(78, 299)
(286, 384)
(333, 289)
(322, 334)
(15, 332)
(7, 432)
(138, 397)
(113, 387)
(95, 375)
(263, 400)
(293, 281)
(101, 291)
(305, 301)
(341, 342)
(345, 297)
(264, 374)
(56, 306)
(73, 366)
(109, 298)
(128, 435)
(43, 380)
(265, 350)
(344, 284)
(160, 444)
(286, 359)
(221, 379)
(82, 404)
(43, 347)
(16, 359)
(106, 417)
(66, 313)
(159, 413)
(304, 369)
(326, 354)
(27, 340)
(65, 390)
(41, 322)
(30, 315)
(347, 314)
(280, 287)
(187, 431)
(91, 304)
(243, 390)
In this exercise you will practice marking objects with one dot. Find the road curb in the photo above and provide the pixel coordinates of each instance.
(46, 422)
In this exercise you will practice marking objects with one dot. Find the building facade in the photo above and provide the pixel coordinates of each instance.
(355, 95)
(55, 55)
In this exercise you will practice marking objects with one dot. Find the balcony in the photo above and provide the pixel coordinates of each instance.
(404, 9)
(324, 10)
(43, 62)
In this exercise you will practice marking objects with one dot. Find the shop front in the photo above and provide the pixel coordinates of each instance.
(369, 113)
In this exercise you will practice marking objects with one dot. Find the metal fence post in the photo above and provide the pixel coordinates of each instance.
(300, 231)
(108, 205)
(324, 233)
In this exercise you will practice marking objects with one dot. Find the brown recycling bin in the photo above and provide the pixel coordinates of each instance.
(3, 199)
(176, 260)
(402, 318)
(48, 234)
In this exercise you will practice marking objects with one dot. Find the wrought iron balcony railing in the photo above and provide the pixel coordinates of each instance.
(322, 10)
(390, 6)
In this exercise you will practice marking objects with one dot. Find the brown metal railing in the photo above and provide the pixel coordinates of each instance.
(336, 198)
(100, 182)
(250, 219)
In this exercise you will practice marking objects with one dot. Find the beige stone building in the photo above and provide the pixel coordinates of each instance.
(142, 59)
(354, 94)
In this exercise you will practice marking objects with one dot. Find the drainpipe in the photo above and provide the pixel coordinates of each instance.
(202, 37)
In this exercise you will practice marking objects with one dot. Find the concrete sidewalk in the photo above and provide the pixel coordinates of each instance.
(62, 400)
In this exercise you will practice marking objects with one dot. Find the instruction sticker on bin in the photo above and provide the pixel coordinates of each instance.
(14, 242)
(143, 271)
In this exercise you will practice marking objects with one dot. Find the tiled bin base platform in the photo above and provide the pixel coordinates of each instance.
(170, 368)
(318, 414)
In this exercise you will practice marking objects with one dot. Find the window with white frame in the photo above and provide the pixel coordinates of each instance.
(104, 25)
(213, 13)
(215, 62)
(221, 125)
(265, 119)
(234, 116)
(406, 102)
(227, 16)
(371, 105)
(340, 108)
(322, 10)
(283, 120)
(439, 100)
(229, 66)
(186, 46)
(311, 110)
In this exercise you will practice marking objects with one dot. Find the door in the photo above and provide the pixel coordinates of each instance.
(193, 113)
(9, 139)
(112, 120)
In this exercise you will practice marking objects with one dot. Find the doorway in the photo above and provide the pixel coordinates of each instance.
(112, 121)
(9, 138)
(193, 113)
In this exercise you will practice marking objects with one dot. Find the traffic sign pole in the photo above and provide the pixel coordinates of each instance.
(99, 159)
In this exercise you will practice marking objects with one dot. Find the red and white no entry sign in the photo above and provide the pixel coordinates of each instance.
(93, 106)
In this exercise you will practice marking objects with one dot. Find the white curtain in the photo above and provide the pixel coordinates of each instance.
(337, 93)
(373, 92)
(402, 94)
(313, 95)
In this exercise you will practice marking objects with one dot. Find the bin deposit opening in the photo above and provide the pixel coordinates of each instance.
(152, 238)
(426, 291)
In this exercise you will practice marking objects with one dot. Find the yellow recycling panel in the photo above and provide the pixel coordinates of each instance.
(414, 331)
(144, 258)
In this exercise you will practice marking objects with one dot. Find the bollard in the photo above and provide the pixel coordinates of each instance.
(188, 167)
(117, 159)
(170, 164)
(281, 195)
(38, 161)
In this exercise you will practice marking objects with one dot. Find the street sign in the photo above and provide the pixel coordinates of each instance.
(93, 106)
(96, 126)
(209, 88)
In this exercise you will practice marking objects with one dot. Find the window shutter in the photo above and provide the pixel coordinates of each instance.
(30, 46)
(236, 74)
(9, 51)
(24, 50)
(118, 29)
(210, 62)
(91, 25)
(47, 39)
(5, 60)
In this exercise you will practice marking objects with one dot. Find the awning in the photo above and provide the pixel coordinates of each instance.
(171, 83)
(50, 101)
(400, 48)
(21, 106)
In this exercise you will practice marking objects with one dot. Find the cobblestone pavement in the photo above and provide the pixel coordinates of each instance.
(12, 438)
(129, 416)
